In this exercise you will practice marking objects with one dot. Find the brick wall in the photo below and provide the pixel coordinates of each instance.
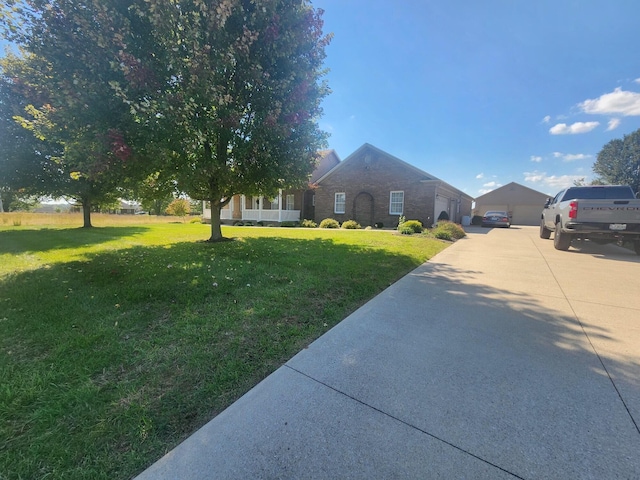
(368, 180)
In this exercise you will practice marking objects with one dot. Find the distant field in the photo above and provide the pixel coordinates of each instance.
(70, 219)
(119, 341)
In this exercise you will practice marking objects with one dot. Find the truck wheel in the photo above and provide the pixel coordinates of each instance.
(636, 246)
(544, 231)
(561, 241)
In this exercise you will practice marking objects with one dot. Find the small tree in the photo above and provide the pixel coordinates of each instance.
(60, 85)
(180, 207)
(618, 162)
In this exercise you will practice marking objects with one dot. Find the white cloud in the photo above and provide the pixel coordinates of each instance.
(571, 157)
(482, 191)
(536, 159)
(578, 127)
(613, 124)
(637, 80)
(546, 119)
(492, 185)
(618, 102)
(553, 182)
(534, 177)
(480, 175)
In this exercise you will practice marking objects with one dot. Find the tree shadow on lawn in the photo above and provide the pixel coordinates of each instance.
(45, 239)
(131, 350)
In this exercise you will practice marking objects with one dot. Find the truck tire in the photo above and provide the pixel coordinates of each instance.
(544, 231)
(636, 246)
(561, 241)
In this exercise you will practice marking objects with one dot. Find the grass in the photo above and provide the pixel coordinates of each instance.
(118, 342)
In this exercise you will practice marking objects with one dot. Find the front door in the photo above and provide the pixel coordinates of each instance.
(363, 209)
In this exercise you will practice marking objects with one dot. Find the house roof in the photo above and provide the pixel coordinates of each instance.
(499, 192)
(425, 177)
(328, 160)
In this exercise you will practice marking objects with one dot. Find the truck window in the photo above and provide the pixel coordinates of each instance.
(599, 193)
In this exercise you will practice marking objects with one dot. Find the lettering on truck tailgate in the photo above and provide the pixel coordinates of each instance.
(620, 213)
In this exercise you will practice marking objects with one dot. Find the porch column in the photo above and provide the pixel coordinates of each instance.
(260, 203)
(243, 203)
(280, 205)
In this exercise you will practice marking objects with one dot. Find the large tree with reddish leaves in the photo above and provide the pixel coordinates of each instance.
(235, 93)
(227, 92)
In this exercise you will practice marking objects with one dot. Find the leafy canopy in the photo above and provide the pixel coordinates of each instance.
(225, 94)
(232, 93)
(618, 162)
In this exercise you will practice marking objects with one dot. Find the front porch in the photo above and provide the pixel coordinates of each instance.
(243, 208)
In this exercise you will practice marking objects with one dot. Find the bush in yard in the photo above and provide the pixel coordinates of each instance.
(308, 224)
(414, 225)
(405, 230)
(329, 223)
(351, 225)
(448, 231)
(442, 234)
(196, 220)
(179, 207)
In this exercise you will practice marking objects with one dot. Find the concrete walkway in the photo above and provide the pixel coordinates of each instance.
(500, 358)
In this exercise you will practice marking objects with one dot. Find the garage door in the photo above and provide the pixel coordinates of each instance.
(442, 205)
(526, 214)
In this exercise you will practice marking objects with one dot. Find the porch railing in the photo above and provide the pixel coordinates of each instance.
(258, 215)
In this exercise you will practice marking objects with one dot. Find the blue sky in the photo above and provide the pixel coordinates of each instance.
(483, 93)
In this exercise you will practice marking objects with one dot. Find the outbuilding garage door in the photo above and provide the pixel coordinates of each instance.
(520, 214)
(526, 214)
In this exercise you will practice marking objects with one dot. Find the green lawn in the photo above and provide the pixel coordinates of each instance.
(117, 342)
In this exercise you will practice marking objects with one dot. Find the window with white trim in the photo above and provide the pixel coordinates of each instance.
(340, 202)
(290, 202)
(275, 204)
(396, 203)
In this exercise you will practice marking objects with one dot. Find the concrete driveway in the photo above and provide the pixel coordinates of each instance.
(499, 358)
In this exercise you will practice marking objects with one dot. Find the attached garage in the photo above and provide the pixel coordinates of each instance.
(523, 204)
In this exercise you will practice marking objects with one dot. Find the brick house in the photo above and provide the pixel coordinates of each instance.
(373, 187)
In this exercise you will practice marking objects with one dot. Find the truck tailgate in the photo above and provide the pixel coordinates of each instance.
(609, 211)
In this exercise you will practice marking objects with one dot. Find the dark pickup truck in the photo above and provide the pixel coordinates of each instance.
(601, 213)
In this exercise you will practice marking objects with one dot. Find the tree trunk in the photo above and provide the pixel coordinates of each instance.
(216, 230)
(86, 213)
(157, 207)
